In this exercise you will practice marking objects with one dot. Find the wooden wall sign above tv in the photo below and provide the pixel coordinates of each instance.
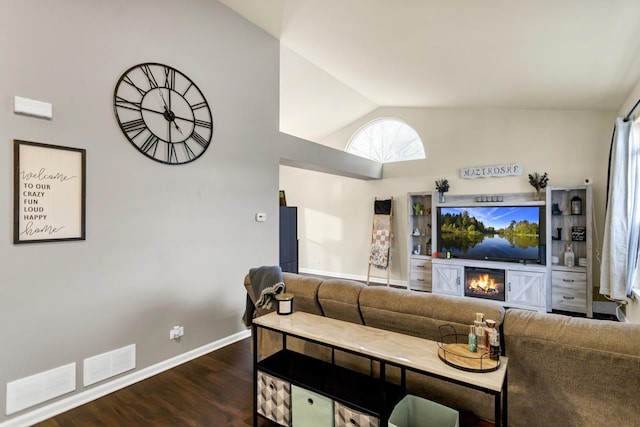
(495, 171)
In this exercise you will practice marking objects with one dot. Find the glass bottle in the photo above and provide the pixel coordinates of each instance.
(489, 327)
(569, 256)
(473, 342)
(479, 330)
(494, 345)
(494, 340)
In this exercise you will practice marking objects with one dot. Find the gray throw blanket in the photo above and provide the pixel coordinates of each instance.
(266, 281)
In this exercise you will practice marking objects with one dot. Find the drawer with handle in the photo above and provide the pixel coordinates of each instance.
(569, 291)
(420, 264)
(420, 275)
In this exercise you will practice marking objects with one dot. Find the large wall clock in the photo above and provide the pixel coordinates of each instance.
(163, 113)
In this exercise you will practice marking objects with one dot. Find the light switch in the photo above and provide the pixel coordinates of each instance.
(261, 217)
(31, 107)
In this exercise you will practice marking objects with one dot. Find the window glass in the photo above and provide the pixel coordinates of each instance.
(386, 140)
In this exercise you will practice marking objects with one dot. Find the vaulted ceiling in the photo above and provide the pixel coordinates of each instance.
(341, 59)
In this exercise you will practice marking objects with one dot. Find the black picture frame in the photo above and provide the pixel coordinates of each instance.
(49, 193)
(578, 234)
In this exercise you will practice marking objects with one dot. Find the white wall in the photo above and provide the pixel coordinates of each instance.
(335, 213)
(166, 245)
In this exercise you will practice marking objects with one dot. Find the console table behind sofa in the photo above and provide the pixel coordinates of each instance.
(384, 347)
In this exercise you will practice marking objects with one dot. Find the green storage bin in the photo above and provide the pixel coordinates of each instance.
(309, 409)
(414, 411)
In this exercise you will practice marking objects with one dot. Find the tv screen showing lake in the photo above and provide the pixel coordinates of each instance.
(505, 232)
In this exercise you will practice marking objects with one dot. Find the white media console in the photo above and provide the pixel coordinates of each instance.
(524, 285)
(542, 286)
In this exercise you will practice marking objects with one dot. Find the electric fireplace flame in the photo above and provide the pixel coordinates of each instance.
(484, 283)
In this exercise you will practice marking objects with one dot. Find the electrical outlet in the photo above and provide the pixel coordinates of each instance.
(176, 332)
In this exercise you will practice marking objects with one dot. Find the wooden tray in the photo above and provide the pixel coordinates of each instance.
(459, 356)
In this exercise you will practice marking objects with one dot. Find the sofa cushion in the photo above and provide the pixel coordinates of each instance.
(583, 372)
(305, 291)
(421, 314)
(339, 299)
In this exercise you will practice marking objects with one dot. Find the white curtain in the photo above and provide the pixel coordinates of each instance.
(622, 220)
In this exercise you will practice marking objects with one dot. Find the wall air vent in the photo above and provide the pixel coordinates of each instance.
(106, 365)
(41, 387)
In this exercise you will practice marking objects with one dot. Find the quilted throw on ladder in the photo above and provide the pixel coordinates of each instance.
(380, 249)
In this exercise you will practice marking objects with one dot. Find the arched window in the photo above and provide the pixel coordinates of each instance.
(386, 140)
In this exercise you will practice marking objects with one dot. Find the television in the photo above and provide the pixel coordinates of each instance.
(493, 233)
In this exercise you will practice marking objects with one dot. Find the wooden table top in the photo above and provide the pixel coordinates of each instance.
(396, 348)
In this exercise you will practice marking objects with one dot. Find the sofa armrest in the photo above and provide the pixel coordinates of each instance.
(581, 372)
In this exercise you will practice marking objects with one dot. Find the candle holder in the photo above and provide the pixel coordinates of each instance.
(285, 303)
(576, 205)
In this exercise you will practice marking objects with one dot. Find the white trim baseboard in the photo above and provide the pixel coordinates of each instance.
(75, 400)
(332, 274)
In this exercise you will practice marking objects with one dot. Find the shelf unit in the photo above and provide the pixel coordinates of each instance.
(419, 242)
(358, 398)
(527, 285)
(565, 288)
(571, 286)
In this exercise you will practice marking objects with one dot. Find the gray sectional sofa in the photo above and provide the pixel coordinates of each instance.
(563, 371)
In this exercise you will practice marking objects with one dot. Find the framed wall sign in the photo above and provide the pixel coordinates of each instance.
(48, 192)
(579, 234)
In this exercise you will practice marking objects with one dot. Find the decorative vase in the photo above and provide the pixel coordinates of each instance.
(539, 194)
(440, 197)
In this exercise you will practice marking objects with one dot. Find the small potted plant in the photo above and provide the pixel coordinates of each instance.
(539, 182)
(442, 185)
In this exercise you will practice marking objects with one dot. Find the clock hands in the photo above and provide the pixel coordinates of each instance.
(168, 114)
(166, 107)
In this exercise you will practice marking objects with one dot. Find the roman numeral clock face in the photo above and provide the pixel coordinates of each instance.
(163, 113)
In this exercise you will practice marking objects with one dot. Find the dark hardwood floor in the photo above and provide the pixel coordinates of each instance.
(214, 390)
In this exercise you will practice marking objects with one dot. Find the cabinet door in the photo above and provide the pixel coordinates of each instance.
(447, 279)
(526, 288)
